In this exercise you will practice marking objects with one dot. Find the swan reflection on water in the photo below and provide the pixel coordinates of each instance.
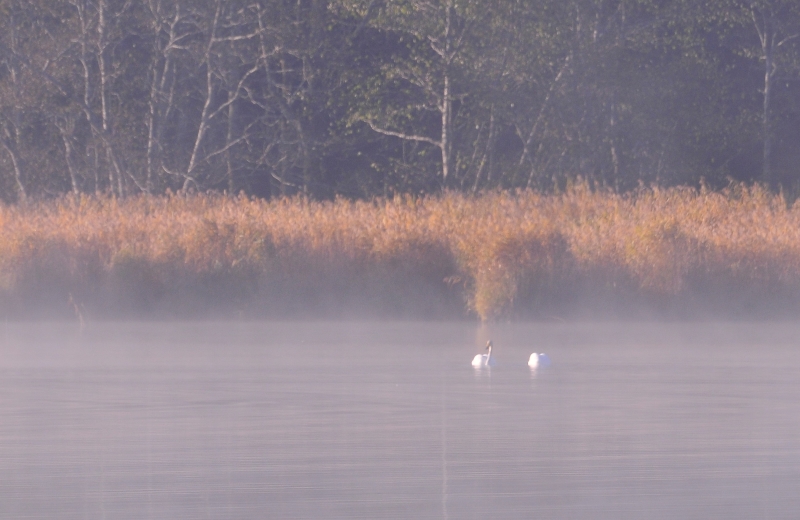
(484, 360)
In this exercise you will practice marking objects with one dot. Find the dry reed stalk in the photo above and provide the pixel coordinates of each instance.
(502, 248)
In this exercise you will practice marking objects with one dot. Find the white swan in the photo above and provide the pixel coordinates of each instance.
(538, 360)
(484, 360)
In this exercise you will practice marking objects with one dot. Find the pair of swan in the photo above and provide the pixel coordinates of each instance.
(485, 360)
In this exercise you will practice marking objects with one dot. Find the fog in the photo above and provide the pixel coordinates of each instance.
(387, 419)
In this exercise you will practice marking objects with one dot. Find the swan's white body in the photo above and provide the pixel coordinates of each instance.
(538, 360)
(484, 360)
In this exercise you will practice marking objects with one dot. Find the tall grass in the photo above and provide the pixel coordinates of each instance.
(669, 252)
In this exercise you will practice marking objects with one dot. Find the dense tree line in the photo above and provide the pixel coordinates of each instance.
(374, 97)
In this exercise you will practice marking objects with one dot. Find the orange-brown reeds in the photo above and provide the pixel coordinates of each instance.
(677, 251)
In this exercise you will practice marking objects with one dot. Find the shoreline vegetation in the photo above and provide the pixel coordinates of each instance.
(673, 253)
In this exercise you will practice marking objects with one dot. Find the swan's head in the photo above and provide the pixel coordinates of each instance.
(489, 345)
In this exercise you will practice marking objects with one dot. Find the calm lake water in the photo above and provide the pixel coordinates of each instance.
(390, 420)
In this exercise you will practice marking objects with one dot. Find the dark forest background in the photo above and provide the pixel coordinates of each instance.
(363, 98)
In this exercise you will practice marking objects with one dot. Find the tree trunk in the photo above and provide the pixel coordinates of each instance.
(16, 161)
(487, 154)
(228, 141)
(447, 104)
(162, 89)
(445, 146)
(766, 120)
(11, 139)
(764, 22)
(66, 127)
(202, 126)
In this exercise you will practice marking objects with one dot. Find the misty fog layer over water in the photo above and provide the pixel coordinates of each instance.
(390, 420)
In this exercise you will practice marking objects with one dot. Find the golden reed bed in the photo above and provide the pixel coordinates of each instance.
(656, 253)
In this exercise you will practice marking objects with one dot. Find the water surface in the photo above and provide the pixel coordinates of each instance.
(389, 420)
